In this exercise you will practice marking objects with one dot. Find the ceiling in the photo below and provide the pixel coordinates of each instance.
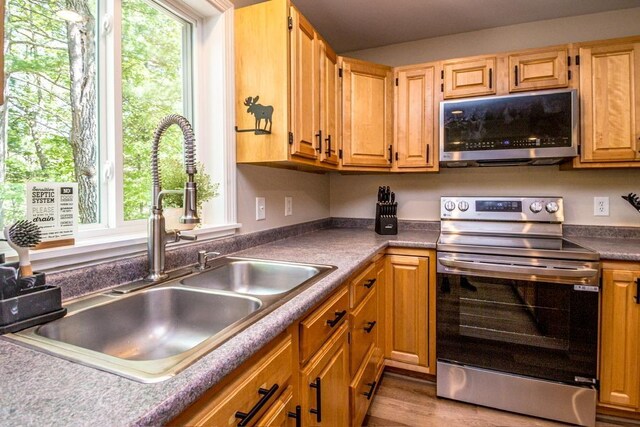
(350, 25)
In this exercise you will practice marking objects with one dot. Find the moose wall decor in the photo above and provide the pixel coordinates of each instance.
(260, 113)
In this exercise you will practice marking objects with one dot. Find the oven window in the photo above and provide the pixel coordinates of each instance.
(544, 330)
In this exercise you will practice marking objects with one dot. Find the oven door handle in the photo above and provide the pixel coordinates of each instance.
(508, 268)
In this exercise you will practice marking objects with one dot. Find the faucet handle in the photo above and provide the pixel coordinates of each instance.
(182, 236)
(203, 257)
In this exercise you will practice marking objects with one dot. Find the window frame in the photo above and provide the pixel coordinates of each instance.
(213, 118)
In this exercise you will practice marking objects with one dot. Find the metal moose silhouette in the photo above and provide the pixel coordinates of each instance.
(260, 112)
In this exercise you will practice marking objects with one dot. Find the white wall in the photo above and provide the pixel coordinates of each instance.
(418, 195)
(618, 23)
(310, 194)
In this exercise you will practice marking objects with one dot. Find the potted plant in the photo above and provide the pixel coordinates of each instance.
(173, 178)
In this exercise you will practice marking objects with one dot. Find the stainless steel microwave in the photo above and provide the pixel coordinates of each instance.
(537, 128)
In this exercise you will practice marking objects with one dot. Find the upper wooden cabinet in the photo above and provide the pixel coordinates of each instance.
(305, 87)
(544, 69)
(367, 114)
(415, 118)
(620, 335)
(286, 91)
(469, 77)
(610, 102)
(330, 105)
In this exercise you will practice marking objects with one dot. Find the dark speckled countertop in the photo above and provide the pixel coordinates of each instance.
(39, 389)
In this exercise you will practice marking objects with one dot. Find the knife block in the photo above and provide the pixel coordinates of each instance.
(386, 224)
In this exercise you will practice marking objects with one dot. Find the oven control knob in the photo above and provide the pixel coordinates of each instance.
(463, 206)
(552, 207)
(449, 205)
(535, 207)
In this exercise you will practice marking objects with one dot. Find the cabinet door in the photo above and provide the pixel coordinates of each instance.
(367, 114)
(305, 87)
(325, 383)
(407, 309)
(472, 77)
(610, 102)
(329, 105)
(619, 359)
(538, 70)
(282, 413)
(415, 135)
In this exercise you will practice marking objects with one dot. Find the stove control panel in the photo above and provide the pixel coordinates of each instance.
(520, 209)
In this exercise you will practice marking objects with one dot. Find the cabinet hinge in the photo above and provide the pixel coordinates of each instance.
(569, 74)
(348, 337)
(290, 138)
(577, 59)
(396, 81)
(579, 150)
(569, 60)
(290, 23)
(442, 74)
(339, 72)
(340, 153)
(441, 87)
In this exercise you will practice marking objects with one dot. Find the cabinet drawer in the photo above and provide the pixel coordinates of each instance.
(361, 285)
(316, 328)
(363, 385)
(538, 70)
(472, 77)
(365, 329)
(278, 413)
(262, 383)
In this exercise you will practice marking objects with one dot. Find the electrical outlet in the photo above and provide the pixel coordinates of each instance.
(261, 210)
(288, 206)
(600, 206)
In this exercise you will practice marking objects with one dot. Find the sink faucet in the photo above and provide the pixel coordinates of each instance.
(158, 236)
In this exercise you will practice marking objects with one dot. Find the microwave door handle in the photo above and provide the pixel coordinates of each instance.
(502, 268)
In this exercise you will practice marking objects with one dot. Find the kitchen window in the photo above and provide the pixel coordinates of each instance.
(86, 83)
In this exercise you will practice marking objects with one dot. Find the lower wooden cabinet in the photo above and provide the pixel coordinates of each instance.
(325, 383)
(364, 384)
(410, 312)
(283, 413)
(620, 336)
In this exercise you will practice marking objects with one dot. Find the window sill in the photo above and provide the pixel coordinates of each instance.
(97, 250)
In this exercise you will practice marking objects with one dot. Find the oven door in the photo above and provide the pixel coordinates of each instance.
(532, 317)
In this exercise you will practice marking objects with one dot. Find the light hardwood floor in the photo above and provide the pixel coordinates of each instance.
(404, 401)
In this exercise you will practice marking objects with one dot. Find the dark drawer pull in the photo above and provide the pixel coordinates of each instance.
(637, 297)
(297, 415)
(319, 136)
(317, 412)
(370, 392)
(245, 418)
(370, 326)
(328, 141)
(369, 283)
(339, 316)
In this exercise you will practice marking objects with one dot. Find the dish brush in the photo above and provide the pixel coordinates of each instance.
(21, 236)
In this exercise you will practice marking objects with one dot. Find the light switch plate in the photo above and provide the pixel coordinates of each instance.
(288, 206)
(261, 210)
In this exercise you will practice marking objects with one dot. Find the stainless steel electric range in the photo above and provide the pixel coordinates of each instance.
(517, 309)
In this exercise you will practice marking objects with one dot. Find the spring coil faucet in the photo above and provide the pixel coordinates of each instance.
(158, 236)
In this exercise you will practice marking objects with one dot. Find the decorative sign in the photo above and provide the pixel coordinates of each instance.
(53, 207)
(260, 112)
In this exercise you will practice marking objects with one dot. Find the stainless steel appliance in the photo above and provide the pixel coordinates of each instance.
(537, 128)
(517, 309)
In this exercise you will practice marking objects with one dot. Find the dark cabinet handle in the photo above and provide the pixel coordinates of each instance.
(637, 297)
(297, 415)
(328, 141)
(317, 412)
(490, 78)
(370, 392)
(245, 418)
(336, 320)
(390, 154)
(370, 326)
(369, 283)
(427, 153)
(515, 70)
(319, 136)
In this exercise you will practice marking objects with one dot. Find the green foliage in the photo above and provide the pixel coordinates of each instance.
(174, 176)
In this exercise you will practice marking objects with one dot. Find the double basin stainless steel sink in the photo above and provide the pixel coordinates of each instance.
(149, 333)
